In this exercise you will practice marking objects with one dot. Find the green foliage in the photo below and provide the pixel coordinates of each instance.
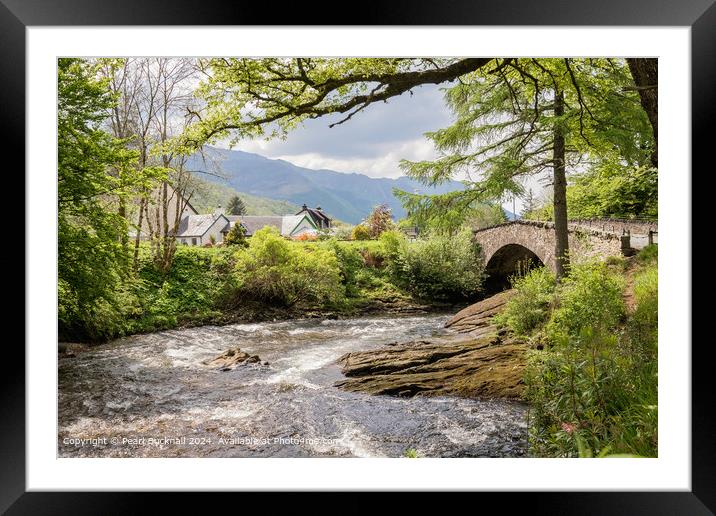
(441, 267)
(646, 314)
(529, 309)
(92, 166)
(505, 125)
(593, 391)
(236, 236)
(196, 287)
(360, 232)
(350, 263)
(614, 190)
(273, 270)
(590, 297)
(411, 453)
(236, 206)
(648, 255)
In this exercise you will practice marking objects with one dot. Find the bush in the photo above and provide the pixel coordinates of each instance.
(350, 263)
(237, 235)
(594, 392)
(273, 270)
(441, 267)
(360, 232)
(590, 297)
(530, 307)
(395, 249)
(342, 232)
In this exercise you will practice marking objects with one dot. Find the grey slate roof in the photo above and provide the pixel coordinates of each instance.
(195, 225)
(253, 223)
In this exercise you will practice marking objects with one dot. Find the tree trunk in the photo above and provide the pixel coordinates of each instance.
(645, 72)
(561, 249)
(137, 238)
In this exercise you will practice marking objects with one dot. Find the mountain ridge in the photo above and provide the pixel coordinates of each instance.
(345, 196)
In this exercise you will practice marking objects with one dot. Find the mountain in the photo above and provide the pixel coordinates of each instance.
(207, 196)
(348, 197)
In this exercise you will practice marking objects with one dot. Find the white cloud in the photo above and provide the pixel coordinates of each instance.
(382, 165)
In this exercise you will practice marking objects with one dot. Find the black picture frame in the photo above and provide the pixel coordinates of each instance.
(700, 15)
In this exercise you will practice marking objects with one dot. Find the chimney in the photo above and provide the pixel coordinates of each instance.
(304, 206)
(218, 211)
(318, 208)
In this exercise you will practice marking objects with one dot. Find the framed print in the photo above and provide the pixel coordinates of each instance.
(295, 256)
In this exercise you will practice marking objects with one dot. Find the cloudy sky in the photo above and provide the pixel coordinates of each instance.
(372, 143)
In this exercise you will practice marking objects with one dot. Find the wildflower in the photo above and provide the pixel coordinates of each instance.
(569, 427)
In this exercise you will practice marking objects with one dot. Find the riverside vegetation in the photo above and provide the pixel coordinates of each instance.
(591, 377)
(271, 277)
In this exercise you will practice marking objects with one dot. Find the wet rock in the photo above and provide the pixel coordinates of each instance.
(485, 363)
(231, 358)
(475, 368)
(478, 316)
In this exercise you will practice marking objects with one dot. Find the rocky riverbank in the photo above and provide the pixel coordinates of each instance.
(479, 361)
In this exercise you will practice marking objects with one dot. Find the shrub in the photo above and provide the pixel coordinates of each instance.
(395, 248)
(530, 307)
(199, 282)
(237, 235)
(594, 393)
(350, 263)
(360, 232)
(590, 297)
(272, 269)
(342, 233)
(441, 267)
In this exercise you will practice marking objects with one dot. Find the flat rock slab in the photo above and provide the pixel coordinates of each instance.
(483, 362)
(479, 315)
(476, 368)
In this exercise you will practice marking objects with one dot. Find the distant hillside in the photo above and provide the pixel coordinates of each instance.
(349, 197)
(209, 195)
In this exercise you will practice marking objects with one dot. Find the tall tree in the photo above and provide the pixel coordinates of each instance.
(91, 257)
(236, 206)
(645, 72)
(155, 101)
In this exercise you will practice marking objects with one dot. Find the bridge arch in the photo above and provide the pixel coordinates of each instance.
(506, 261)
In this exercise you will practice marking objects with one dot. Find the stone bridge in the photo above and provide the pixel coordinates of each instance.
(507, 247)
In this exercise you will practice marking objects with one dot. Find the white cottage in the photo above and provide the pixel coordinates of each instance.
(203, 229)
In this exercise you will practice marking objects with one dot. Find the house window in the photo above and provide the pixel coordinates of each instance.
(193, 241)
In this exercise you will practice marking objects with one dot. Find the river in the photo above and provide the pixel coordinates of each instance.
(151, 396)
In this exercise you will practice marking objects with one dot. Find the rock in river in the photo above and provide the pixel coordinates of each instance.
(231, 358)
(481, 363)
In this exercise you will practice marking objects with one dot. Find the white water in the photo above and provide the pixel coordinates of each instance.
(155, 387)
